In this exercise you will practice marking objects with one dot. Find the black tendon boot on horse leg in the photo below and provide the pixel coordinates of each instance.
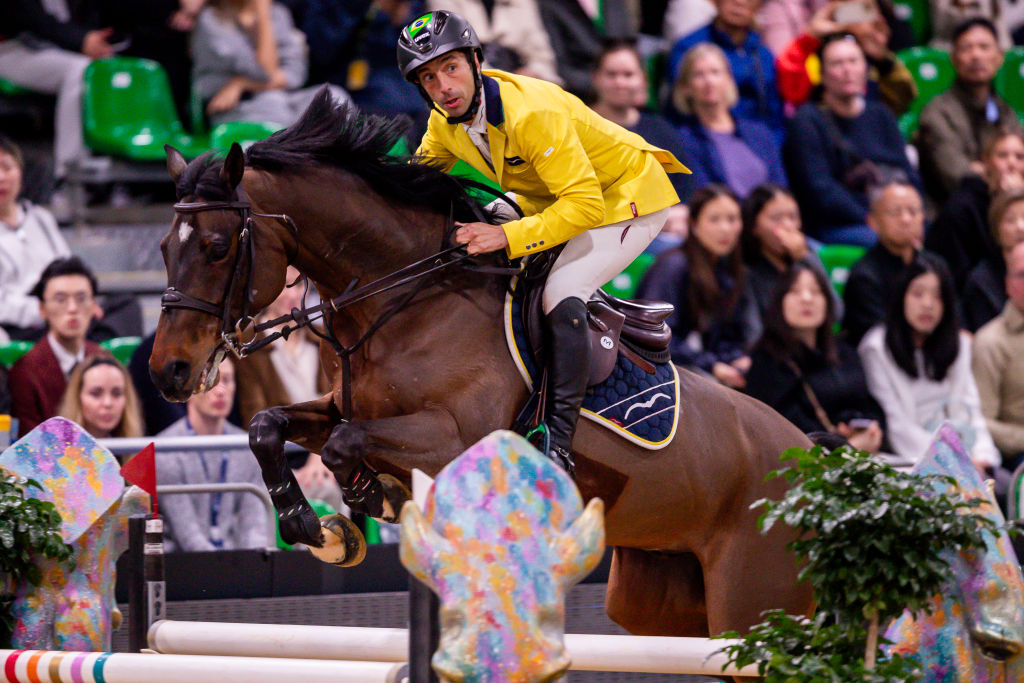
(568, 368)
(296, 519)
(363, 489)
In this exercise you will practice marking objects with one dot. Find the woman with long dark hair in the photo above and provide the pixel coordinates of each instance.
(802, 370)
(773, 240)
(715, 319)
(918, 366)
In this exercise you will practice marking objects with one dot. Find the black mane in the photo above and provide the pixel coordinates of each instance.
(338, 136)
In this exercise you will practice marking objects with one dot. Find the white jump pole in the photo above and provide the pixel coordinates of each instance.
(637, 654)
(26, 666)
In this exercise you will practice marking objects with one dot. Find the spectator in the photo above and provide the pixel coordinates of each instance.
(284, 373)
(985, 291)
(753, 66)
(576, 40)
(352, 44)
(157, 30)
(897, 217)
(158, 412)
(512, 34)
(918, 366)
(100, 398)
(620, 87)
(67, 303)
(211, 521)
(955, 123)
(715, 318)
(773, 241)
(46, 50)
(683, 17)
(947, 16)
(836, 150)
(736, 152)
(889, 81)
(998, 365)
(960, 232)
(249, 63)
(29, 241)
(801, 369)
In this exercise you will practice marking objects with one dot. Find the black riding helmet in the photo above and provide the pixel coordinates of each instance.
(431, 36)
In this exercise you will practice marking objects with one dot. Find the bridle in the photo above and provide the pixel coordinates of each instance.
(245, 256)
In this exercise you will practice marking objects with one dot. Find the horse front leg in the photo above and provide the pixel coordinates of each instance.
(426, 440)
(309, 424)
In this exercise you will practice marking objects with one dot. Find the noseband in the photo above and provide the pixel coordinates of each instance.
(245, 256)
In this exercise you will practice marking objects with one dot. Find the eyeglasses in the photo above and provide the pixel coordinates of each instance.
(62, 300)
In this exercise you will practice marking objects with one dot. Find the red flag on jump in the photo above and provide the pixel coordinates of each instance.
(141, 471)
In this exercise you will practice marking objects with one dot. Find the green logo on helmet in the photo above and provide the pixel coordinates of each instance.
(418, 25)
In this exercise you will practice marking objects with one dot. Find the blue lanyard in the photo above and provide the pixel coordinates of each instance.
(216, 537)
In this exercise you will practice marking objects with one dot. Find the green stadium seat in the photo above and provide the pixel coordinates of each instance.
(8, 88)
(838, 259)
(12, 351)
(625, 283)
(1010, 79)
(915, 13)
(243, 132)
(933, 74)
(122, 348)
(128, 111)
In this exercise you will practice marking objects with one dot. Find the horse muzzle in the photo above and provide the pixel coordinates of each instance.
(173, 380)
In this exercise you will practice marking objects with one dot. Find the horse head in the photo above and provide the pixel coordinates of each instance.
(214, 286)
(975, 632)
(503, 538)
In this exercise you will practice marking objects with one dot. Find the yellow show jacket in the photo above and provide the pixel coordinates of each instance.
(570, 168)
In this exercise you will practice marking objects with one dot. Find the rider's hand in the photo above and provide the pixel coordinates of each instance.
(481, 238)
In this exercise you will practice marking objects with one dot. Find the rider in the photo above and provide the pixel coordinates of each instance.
(579, 179)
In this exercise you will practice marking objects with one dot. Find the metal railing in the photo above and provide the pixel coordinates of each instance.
(240, 487)
(222, 442)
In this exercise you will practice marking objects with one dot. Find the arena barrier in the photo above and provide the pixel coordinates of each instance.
(634, 654)
(42, 666)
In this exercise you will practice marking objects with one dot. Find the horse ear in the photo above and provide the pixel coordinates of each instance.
(420, 546)
(234, 166)
(175, 162)
(580, 547)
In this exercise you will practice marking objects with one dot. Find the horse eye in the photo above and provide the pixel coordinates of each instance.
(218, 250)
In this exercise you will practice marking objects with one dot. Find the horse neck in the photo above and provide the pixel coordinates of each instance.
(348, 234)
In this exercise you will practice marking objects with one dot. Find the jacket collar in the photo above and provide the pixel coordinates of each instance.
(492, 98)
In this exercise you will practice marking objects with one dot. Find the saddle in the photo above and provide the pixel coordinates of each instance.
(635, 328)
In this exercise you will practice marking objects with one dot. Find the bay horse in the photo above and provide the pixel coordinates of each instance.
(436, 377)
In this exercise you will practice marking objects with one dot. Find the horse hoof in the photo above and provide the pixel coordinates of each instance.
(395, 496)
(116, 618)
(302, 527)
(342, 543)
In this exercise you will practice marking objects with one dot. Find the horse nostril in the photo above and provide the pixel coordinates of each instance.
(175, 374)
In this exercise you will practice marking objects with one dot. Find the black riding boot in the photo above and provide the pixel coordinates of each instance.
(568, 367)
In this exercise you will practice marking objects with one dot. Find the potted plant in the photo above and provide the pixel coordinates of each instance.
(866, 537)
(29, 528)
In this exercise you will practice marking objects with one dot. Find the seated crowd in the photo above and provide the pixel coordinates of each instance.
(787, 113)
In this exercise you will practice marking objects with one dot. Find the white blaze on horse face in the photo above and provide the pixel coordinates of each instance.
(184, 230)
